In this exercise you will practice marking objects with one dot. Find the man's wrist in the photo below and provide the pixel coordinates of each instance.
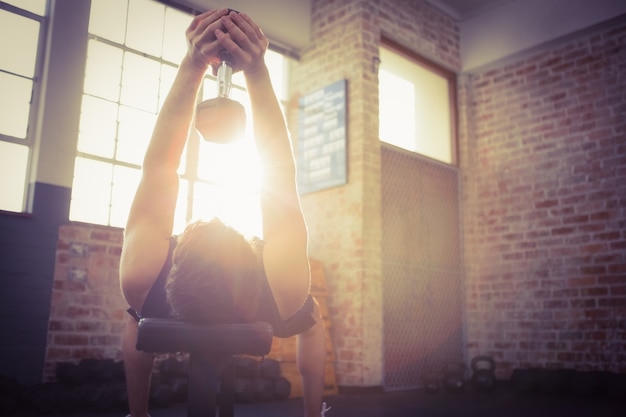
(261, 71)
(189, 64)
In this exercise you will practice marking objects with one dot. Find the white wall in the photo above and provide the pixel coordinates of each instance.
(61, 94)
(518, 25)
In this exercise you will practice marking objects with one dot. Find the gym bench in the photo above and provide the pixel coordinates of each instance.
(212, 350)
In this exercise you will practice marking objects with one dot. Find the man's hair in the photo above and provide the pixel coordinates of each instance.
(215, 275)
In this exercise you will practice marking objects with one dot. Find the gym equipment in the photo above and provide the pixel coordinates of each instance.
(119, 371)
(554, 381)
(179, 388)
(263, 389)
(10, 389)
(269, 368)
(221, 119)
(246, 367)
(160, 394)
(69, 373)
(454, 377)
(616, 386)
(524, 381)
(171, 368)
(282, 388)
(432, 387)
(50, 398)
(588, 383)
(483, 373)
(211, 349)
(431, 380)
(244, 391)
(89, 371)
(8, 405)
(99, 398)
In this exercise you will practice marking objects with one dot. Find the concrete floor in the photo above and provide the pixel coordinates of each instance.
(502, 403)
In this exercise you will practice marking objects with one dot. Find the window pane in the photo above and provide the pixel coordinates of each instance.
(145, 26)
(432, 115)
(140, 82)
(233, 170)
(235, 165)
(34, 6)
(14, 105)
(206, 201)
(397, 111)
(174, 41)
(276, 66)
(414, 106)
(108, 19)
(98, 127)
(103, 73)
(135, 130)
(91, 191)
(239, 79)
(168, 73)
(215, 161)
(125, 182)
(18, 43)
(209, 89)
(244, 213)
(13, 165)
(241, 96)
(238, 207)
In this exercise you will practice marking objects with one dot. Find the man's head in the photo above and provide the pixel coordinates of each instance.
(214, 276)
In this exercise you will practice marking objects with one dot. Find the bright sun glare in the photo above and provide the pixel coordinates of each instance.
(233, 196)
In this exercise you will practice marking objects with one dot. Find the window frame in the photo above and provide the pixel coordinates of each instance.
(451, 77)
(189, 172)
(29, 141)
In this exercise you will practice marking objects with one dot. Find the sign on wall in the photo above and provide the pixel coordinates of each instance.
(322, 139)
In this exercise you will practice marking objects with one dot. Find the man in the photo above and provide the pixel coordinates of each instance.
(221, 268)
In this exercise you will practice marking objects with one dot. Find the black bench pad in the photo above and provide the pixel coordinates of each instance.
(168, 335)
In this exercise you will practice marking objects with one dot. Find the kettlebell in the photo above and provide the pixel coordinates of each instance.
(221, 119)
(431, 382)
(483, 369)
(454, 377)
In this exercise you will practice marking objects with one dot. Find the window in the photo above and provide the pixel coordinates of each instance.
(133, 52)
(416, 105)
(20, 54)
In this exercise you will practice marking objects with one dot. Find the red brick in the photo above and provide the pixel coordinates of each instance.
(70, 340)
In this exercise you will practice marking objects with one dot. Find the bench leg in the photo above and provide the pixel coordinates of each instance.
(227, 391)
(204, 374)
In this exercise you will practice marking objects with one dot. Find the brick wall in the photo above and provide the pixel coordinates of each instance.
(87, 314)
(543, 150)
(345, 222)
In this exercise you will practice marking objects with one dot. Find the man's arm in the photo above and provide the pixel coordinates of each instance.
(151, 218)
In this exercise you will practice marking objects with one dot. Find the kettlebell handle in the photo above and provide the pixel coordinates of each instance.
(483, 359)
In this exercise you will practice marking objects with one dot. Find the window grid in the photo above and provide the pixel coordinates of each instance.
(21, 62)
(192, 179)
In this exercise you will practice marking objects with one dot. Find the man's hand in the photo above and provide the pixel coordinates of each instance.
(202, 45)
(244, 40)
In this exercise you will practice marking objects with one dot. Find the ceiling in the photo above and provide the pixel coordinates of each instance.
(287, 22)
(490, 29)
(467, 8)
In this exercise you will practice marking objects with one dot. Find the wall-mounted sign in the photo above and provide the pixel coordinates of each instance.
(322, 139)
